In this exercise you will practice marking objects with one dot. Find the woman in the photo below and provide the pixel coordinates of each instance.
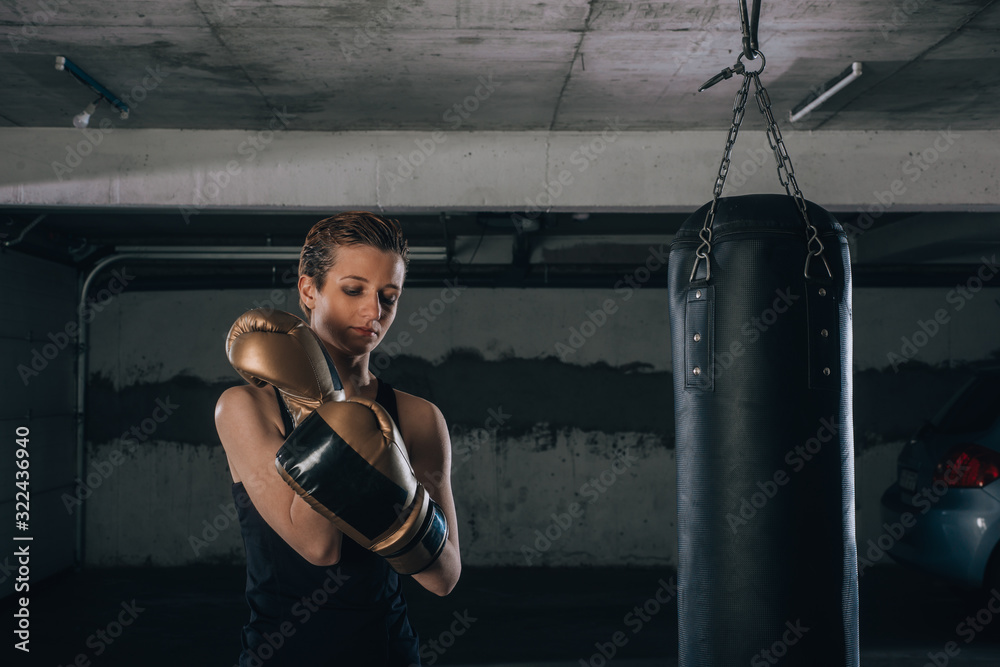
(316, 597)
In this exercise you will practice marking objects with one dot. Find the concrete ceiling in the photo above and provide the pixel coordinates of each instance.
(493, 74)
(494, 64)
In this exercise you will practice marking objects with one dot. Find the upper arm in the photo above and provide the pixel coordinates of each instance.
(428, 444)
(251, 439)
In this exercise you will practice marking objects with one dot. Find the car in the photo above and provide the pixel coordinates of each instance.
(942, 515)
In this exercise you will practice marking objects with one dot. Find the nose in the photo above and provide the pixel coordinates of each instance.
(371, 309)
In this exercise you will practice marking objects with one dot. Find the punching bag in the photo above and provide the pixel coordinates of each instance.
(761, 345)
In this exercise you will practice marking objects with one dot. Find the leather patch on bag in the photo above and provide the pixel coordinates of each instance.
(699, 338)
(825, 336)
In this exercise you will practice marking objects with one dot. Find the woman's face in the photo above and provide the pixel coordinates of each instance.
(357, 304)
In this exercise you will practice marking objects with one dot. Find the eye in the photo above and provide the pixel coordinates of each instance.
(389, 300)
(352, 292)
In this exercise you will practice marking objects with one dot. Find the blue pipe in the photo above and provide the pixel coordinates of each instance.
(62, 62)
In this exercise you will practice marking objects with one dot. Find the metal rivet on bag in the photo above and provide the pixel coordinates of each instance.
(697, 337)
(822, 291)
(697, 294)
(824, 333)
(697, 371)
(826, 371)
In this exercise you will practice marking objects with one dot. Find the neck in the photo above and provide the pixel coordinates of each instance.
(353, 372)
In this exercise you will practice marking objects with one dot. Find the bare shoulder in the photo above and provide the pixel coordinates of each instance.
(416, 410)
(245, 402)
(421, 422)
(246, 416)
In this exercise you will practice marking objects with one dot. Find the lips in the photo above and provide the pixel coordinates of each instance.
(365, 332)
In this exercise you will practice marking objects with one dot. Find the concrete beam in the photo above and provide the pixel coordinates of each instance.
(610, 170)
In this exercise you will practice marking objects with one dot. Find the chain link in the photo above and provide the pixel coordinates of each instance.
(786, 175)
(739, 111)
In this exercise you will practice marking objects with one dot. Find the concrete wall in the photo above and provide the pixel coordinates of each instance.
(492, 352)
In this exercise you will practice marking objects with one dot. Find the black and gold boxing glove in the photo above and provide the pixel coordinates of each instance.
(347, 461)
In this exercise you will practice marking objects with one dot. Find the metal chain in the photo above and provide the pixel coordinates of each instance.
(786, 172)
(739, 110)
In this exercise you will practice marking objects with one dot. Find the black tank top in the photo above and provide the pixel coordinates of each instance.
(351, 614)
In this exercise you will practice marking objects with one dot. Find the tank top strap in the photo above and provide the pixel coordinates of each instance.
(386, 397)
(286, 416)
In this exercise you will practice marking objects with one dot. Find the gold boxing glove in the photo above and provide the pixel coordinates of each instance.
(268, 346)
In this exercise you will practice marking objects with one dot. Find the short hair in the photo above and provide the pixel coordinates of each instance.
(319, 252)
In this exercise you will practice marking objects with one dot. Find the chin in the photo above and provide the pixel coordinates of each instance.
(366, 347)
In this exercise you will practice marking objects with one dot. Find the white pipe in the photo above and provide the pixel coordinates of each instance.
(827, 94)
(24, 231)
(269, 252)
(279, 252)
(81, 362)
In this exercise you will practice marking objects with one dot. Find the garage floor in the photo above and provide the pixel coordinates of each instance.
(191, 616)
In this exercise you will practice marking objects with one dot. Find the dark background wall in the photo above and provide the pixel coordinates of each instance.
(39, 306)
(559, 420)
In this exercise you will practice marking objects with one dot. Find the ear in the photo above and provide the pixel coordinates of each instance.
(307, 291)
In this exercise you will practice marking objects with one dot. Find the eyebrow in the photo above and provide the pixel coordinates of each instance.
(365, 280)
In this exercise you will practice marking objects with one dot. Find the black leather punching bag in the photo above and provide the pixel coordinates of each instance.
(765, 461)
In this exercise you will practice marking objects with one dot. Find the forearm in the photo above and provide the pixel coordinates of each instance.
(440, 578)
(318, 540)
(344, 461)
